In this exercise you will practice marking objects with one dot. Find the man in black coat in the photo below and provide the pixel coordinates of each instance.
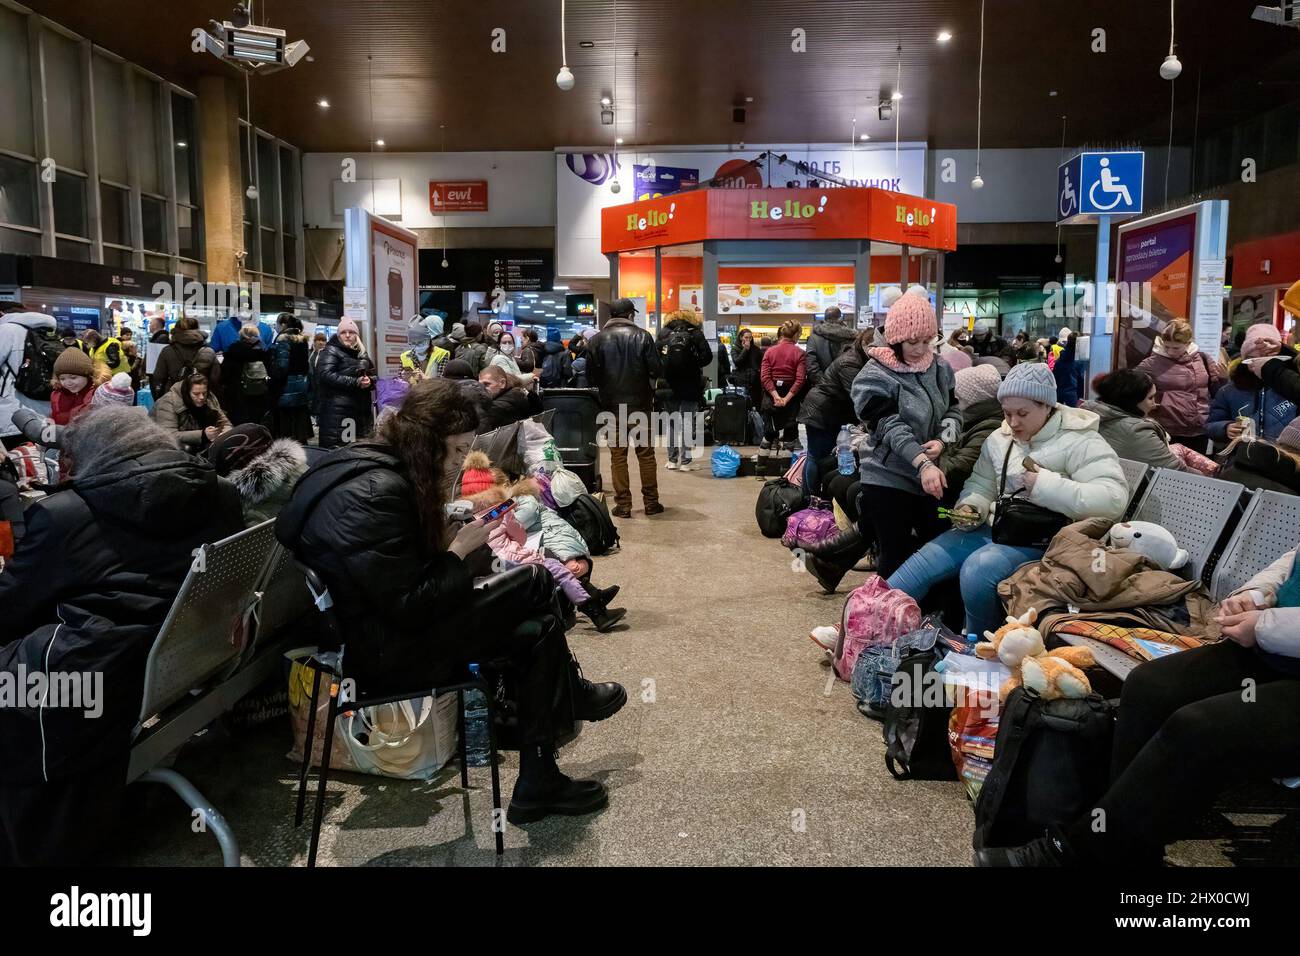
(684, 351)
(827, 340)
(85, 594)
(623, 363)
(503, 402)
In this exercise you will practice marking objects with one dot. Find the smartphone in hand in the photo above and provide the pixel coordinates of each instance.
(491, 514)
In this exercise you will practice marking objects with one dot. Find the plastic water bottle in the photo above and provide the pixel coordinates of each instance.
(844, 452)
(476, 727)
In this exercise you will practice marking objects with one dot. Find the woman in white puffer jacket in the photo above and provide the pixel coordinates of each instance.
(1077, 475)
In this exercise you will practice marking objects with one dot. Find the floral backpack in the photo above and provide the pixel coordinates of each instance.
(874, 614)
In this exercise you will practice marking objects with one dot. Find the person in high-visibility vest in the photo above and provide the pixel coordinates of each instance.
(423, 356)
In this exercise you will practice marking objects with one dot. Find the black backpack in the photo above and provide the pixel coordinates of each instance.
(916, 719)
(41, 347)
(778, 499)
(590, 518)
(553, 372)
(679, 358)
(1051, 764)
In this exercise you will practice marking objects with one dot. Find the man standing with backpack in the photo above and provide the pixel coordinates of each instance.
(685, 351)
(556, 363)
(623, 362)
(29, 344)
(826, 341)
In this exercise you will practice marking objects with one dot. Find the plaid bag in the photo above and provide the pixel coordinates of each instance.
(29, 463)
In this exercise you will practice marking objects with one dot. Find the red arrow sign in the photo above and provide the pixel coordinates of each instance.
(458, 196)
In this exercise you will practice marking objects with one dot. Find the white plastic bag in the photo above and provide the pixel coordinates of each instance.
(566, 487)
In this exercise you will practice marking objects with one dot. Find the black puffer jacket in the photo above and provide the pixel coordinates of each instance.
(825, 343)
(187, 350)
(353, 519)
(512, 405)
(828, 404)
(688, 385)
(1259, 464)
(86, 592)
(623, 362)
(340, 394)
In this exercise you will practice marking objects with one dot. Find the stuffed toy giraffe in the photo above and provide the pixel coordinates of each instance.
(1050, 674)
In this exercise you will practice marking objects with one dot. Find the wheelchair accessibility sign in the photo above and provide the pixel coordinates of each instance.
(1097, 184)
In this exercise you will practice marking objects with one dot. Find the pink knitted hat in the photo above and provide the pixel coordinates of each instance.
(348, 325)
(1256, 337)
(911, 317)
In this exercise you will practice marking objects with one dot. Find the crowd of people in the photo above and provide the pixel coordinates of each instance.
(406, 525)
(965, 445)
(410, 526)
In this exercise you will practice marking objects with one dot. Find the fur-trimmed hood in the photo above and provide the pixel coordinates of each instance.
(279, 466)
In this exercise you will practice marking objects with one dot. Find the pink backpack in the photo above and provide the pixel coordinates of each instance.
(809, 528)
(874, 614)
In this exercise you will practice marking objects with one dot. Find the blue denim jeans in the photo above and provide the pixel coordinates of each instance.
(683, 434)
(979, 564)
(821, 442)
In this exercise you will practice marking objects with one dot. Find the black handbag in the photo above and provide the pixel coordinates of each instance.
(1019, 522)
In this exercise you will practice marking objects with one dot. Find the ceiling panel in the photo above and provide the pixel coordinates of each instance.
(397, 69)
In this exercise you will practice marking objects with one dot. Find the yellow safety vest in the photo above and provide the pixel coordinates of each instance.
(101, 355)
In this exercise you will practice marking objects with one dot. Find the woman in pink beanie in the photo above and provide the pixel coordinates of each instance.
(1245, 396)
(904, 395)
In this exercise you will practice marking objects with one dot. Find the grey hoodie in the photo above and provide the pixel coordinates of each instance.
(825, 342)
(903, 410)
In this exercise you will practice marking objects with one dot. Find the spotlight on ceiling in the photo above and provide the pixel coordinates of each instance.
(618, 141)
(862, 138)
(944, 36)
(896, 95)
(606, 101)
(323, 103)
(379, 143)
(586, 44)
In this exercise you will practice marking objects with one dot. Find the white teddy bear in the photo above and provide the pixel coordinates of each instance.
(1149, 540)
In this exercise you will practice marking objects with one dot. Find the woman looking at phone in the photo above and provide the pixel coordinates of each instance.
(372, 522)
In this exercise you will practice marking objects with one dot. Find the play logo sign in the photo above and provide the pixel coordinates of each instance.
(458, 196)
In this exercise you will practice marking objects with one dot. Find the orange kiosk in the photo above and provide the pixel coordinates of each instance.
(756, 257)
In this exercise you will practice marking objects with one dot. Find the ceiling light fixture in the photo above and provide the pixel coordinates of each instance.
(248, 48)
(181, 144)
(896, 95)
(614, 186)
(944, 36)
(563, 79)
(605, 101)
(323, 103)
(1170, 69)
(864, 137)
(379, 142)
(978, 181)
(586, 44)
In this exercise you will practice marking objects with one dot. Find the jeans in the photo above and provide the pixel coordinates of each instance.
(682, 432)
(1185, 731)
(980, 565)
(821, 442)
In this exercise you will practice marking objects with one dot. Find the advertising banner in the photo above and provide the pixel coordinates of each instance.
(1158, 256)
(780, 214)
(393, 261)
(583, 183)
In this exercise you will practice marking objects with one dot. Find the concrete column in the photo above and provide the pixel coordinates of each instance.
(223, 189)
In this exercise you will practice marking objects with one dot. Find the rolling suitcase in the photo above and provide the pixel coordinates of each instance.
(730, 416)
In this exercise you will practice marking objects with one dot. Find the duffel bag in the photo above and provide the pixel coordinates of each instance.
(778, 499)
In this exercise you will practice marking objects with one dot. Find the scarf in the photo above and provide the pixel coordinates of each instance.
(886, 357)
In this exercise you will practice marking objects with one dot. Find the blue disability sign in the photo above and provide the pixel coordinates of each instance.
(1099, 184)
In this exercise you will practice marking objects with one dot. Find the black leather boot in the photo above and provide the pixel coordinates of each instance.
(595, 701)
(828, 575)
(604, 618)
(542, 790)
(845, 542)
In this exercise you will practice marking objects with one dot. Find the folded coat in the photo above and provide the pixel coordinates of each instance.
(1116, 585)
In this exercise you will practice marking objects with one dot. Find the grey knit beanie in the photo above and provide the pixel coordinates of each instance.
(1033, 380)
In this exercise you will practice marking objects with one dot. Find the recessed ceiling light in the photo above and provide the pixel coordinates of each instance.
(896, 95)
(749, 99)
(619, 141)
(586, 44)
(181, 144)
(1051, 93)
(605, 101)
(944, 36)
(379, 142)
(323, 103)
(864, 137)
